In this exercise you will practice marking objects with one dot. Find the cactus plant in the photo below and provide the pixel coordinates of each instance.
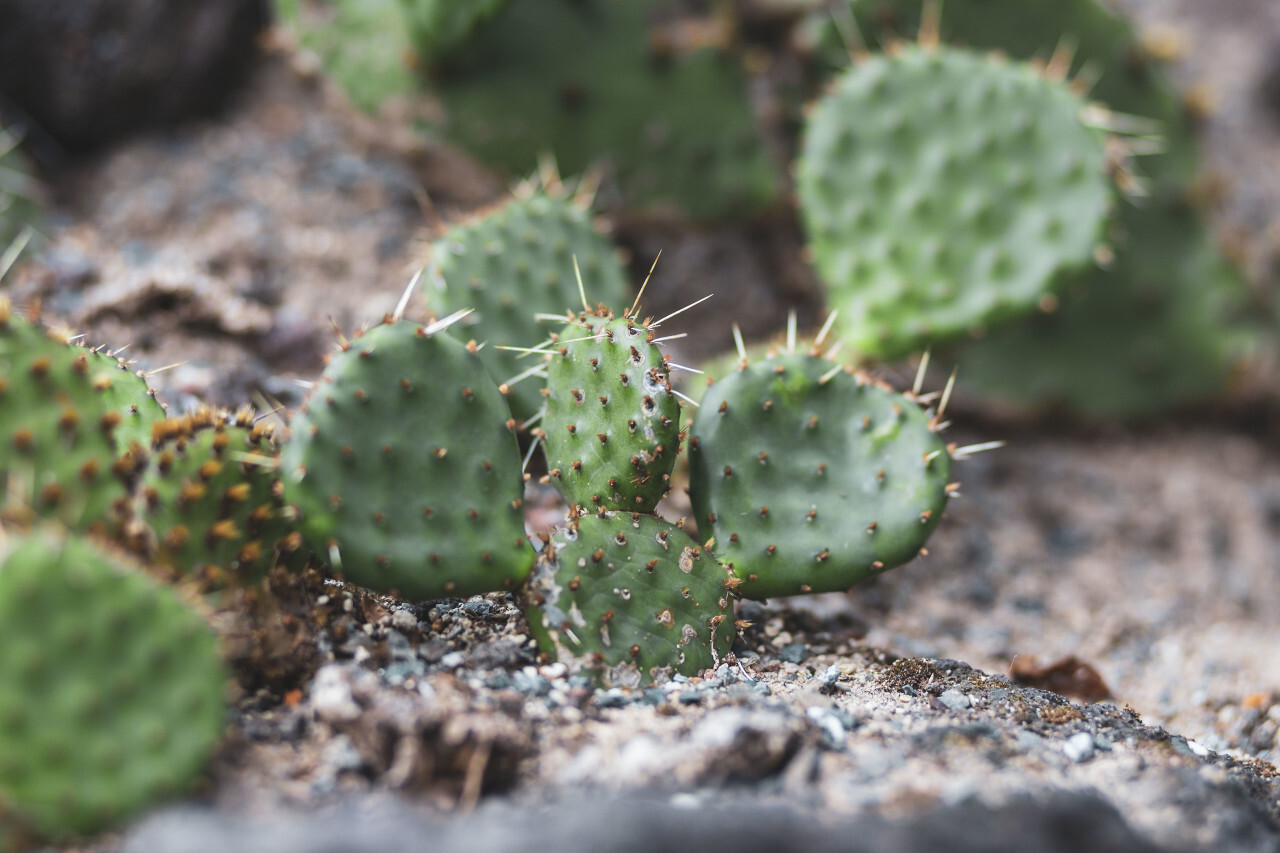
(212, 498)
(405, 468)
(612, 423)
(602, 82)
(811, 477)
(438, 26)
(111, 688)
(630, 598)
(512, 263)
(69, 426)
(945, 191)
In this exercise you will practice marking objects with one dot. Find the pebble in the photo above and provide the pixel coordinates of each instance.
(794, 652)
(452, 660)
(955, 700)
(331, 695)
(690, 697)
(612, 698)
(829, 677)
(831, 727)
(1079, 747)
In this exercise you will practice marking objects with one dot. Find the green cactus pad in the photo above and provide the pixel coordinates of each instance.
(404, 464)
(111, 689)
(600, 82)
(72, 422)
(812, 479)
(1166, 323)
(1128, 79)
(944, 191)
(513, 263)
(211, 496)
(612, 424)
(438, 26)
(632, 599)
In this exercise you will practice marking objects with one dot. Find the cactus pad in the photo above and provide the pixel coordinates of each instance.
(111, 689)
(513, 263)
(438, 26)
(631, 598)
(212, 496)
(72, 422)
(612, 423)
(405, 468)
(944, 190)
(812, 479)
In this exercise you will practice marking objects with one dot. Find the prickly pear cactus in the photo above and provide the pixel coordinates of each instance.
(944, 191)
(362, 44)
(612, 422)
(513, 263)
(72, 422)
(1123, 73)
(438, 26)
(212, 497)
(811, 478)
(111, 688)
(1167, 323)
(631, 598)
(405, 468)
(545, 75)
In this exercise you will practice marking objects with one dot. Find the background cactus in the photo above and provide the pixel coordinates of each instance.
(631, 598)
(111, 688)
(811, 478)
(438, 26)
(663, 108)
(612, 422)
(405, 467)
(512, 263)
(945, 191)
(19, 192)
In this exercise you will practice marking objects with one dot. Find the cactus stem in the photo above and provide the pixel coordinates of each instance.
(658, 323)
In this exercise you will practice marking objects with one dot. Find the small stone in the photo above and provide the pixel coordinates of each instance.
(453, 660)
(691, 697)
(612, 698)
(331, 695)
(653, 696)
(794, 652)
(955, 700)
(833, 731)
(829, 677)
(762, 688)
(403, 621)
(1079, 747)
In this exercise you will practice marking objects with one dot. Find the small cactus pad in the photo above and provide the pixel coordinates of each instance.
(812, 479)
(632, 598)
(212, 497)
(612, 423)
(513, 263)
(111, 688)
(944, 190)
(68, 418)
(405, 468)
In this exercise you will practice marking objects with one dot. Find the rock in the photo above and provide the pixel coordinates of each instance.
(86, 72)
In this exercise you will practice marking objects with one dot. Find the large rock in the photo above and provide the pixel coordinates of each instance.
(84, 72)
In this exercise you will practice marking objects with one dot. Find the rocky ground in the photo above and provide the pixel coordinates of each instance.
(1085, 660)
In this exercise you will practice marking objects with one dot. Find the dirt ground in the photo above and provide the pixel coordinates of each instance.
(1149, 552)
